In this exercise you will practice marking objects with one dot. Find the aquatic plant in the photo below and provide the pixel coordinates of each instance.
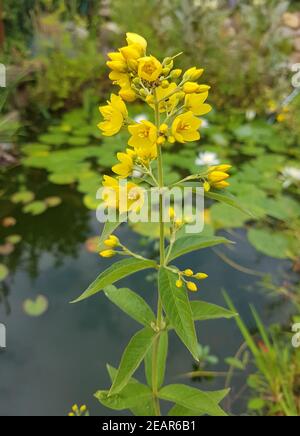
(177, 100)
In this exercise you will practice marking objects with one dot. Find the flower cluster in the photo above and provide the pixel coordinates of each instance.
(79, 411)
(184, 277)
(177, 98)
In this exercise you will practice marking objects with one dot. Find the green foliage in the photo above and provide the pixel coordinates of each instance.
(275, 382)
(178, 310)
(116, 272)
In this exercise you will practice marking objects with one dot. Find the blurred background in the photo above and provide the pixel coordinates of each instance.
(52, 157)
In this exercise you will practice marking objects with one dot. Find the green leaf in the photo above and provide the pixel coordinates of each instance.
(177, 306)
(161, 358)
(228, 199)
(144, 408)
(132, 396)
(188, 244)
(23, 197)
(178, 410)
(192, 398)
(235, 363)
(273, 244)
(132, 358)
(35, 208)
(203, 311)
(117, 271)
(36, 307)
(132, 304)
(256, 404)
(225, 217)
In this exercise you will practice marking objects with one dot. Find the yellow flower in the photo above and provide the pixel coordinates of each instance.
(117, 62)
(201, 276)
(107, 254)
(115, 113)
(221, 185)
(192, 287)
(217, 176)
(185, 128)
(188, 272)
(146, 154)
(125, 167)
(167, 103)
(144, 134)
(195, 103)
(134, 38)
(190, 87)
(193, 74)
(149, 68)
(123, 197)
(128, 94)
(112, 242)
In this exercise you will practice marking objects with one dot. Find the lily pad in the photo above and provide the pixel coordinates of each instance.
(36, 307)
(3, 272)
(6, 249)
(273, 244)
(35, 208)
(23, 197)
(14, 239)
(9, 221)
(53, 201)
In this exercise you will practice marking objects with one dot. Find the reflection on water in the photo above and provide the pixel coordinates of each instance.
(58, 359)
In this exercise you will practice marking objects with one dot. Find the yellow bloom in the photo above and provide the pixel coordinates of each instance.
(193, 74)
(134, 38)
(221, 185)
(185, 128)
(195, 103)
(217, 176)
(115, 113)
(190, 87)
(146, 154)
(123, 197)
(149, 68)
(117, 62)
(144, 134)
(112, 242)
(192, 287)
(188, 272)
(167, 103)
(201, 276)
(128, 94)
(107, 254)
(125, 167)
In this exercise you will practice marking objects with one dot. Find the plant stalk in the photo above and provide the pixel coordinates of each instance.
(162, 262)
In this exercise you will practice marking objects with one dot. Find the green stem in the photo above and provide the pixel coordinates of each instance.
(162, 262)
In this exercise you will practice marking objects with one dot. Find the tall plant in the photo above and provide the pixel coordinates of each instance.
(177, 101)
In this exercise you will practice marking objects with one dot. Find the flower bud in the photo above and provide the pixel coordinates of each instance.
(217, 176)
(188, 272)
(193, 74)
(164, 128)
(175, 74)
(107, 254)
(179, 283)
(192, 287)
(190, 87)
(165, 84)
(201, 276)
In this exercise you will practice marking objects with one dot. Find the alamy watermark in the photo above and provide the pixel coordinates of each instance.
(2, 336)
(296, 337)
(128, 202)
(2, 76)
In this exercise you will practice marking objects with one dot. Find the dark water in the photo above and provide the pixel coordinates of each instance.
(59, 358)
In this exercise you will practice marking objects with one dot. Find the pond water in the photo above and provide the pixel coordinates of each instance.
(59, 358)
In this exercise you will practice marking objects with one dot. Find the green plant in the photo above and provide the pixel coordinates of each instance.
(275, 385)
(149, 80)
